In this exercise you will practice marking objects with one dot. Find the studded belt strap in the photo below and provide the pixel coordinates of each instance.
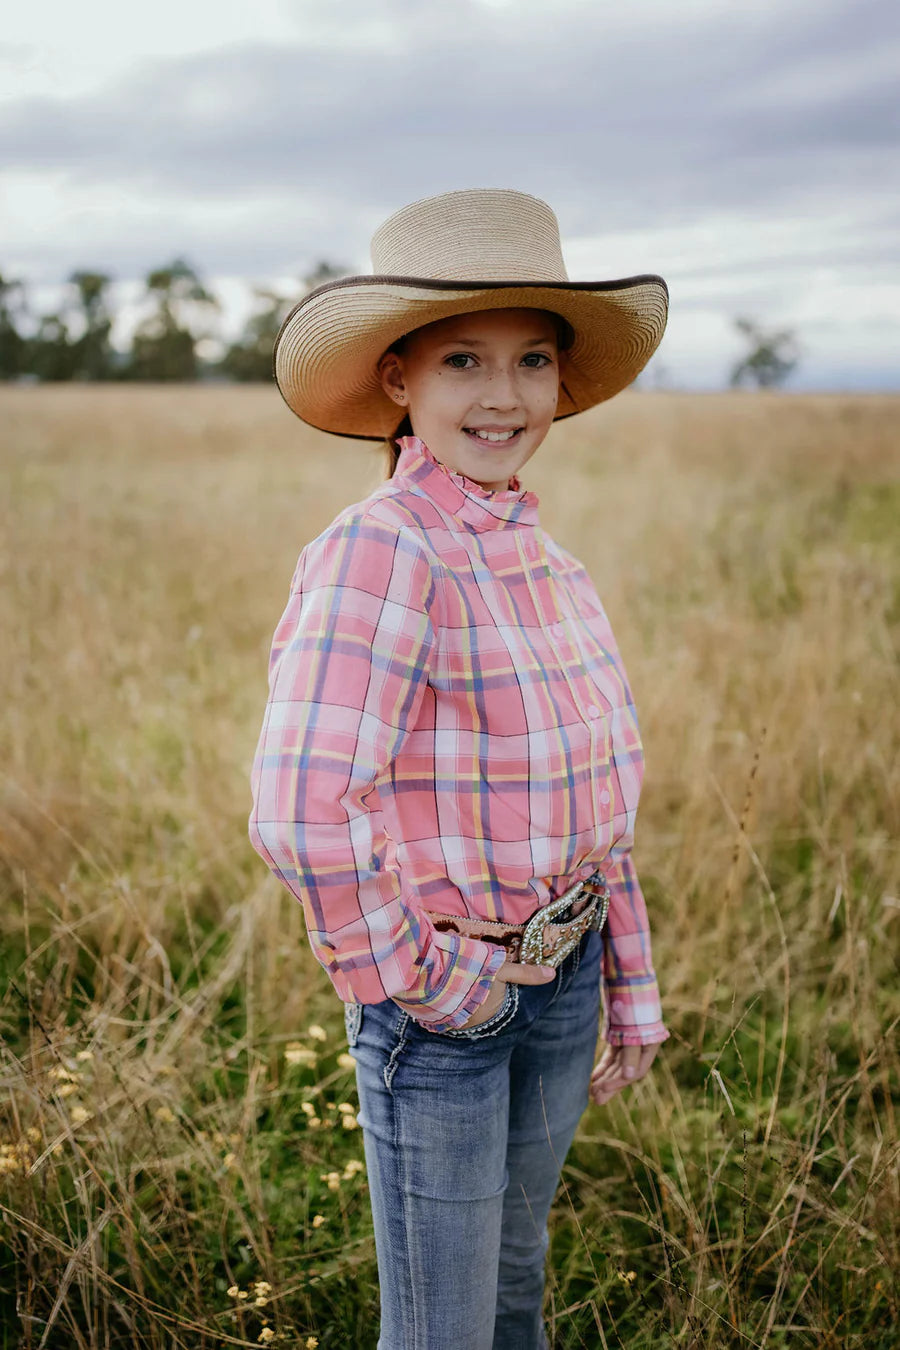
(550, 934)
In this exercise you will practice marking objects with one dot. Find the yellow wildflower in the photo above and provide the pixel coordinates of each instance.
(318, 1220)
(79, 1114)
(345, 1108)
(234, 1291)
(85, 1054)
(266, 1335)
(353, 1166)
(66, 1089)
(164, 1114)
(307, 1108)
(295, 1053)
(331, 1179)
(317, 1033)
(312, 1343)
(229, 1160)
(349, 1122)
(346, 1061)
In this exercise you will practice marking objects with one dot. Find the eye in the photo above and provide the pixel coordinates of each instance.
(456, 358)
(537, 357)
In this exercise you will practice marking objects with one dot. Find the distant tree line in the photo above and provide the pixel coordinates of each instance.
(171, 342)
(176, 340)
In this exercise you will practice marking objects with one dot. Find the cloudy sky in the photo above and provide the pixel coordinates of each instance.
(747, 151)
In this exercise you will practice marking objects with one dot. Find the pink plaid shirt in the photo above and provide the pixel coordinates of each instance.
(449, 728)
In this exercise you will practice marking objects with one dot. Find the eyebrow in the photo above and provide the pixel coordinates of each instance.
(477, 342)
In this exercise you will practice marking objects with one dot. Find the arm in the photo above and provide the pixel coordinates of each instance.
(348, 671)
(633, 1011)
(634, 1030)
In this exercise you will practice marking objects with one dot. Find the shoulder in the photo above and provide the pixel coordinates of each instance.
(373, 538)
(381, 517)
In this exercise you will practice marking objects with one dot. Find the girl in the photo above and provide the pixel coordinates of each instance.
(449, 766)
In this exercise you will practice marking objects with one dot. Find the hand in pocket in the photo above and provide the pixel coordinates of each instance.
(511, 972)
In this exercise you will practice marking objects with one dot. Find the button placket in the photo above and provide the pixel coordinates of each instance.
(557, 630)
(593, 713)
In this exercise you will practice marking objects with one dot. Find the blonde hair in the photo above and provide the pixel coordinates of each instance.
(565, 336)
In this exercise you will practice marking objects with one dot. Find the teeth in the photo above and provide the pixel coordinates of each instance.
(495, 435)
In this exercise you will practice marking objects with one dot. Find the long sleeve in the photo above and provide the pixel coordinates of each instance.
(633, 1010)
(348, 670)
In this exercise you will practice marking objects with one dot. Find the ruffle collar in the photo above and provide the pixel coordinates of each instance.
(477, 506)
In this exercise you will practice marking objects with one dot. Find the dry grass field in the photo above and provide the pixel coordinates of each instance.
(180, 1161)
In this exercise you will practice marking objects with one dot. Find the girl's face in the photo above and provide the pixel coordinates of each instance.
(463, 378)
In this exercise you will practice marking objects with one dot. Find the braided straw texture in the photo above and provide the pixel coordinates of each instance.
(487, 235)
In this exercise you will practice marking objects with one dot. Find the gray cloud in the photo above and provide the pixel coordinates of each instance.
(617, 126)
(753, 152)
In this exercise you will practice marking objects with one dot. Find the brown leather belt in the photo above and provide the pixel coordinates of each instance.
(540, 941)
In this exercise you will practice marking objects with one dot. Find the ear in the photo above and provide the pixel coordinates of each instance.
(391, 371)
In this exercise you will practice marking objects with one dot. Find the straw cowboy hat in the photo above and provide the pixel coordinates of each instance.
(479, 248)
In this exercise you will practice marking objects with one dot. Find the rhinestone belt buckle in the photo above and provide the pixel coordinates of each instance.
(592, 916)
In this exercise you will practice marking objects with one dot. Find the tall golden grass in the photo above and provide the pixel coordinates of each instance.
(180, 1165)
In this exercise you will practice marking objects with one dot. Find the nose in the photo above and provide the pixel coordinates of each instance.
(500, 391)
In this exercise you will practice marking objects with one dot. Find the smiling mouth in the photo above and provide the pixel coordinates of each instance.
(493, 437)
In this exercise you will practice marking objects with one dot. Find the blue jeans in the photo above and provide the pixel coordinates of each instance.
(465, 1133)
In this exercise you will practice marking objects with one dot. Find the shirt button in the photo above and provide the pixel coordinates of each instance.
(557, 630)
(593, 711)
(604, 796)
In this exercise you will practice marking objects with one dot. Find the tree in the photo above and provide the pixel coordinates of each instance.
(13, 346)
(165, 343)
(51, 352)
(92, 351)
(322, 272)
(772, 357)
(251, 357)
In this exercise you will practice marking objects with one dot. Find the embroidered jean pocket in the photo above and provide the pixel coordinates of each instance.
(500, 1019)
(352, 1020)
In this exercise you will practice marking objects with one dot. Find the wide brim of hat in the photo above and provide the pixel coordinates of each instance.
(327, 351)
